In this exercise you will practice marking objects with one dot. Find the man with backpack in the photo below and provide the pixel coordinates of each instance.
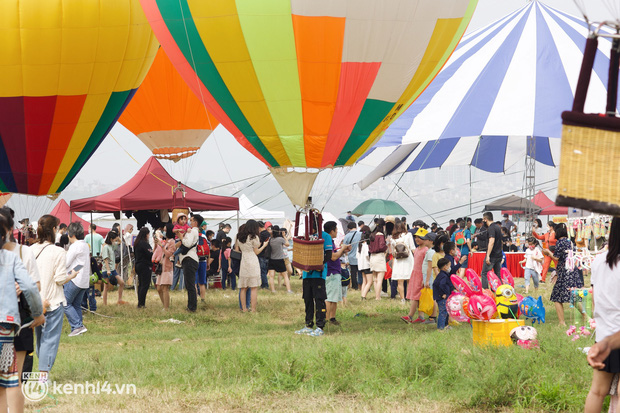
(353, 238)
(263, 257)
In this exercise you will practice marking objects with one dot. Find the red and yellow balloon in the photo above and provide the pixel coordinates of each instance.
(68, 69)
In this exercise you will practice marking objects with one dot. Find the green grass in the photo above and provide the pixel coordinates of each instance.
(222, 360)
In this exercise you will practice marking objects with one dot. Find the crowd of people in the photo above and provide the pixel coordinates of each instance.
(51, 279)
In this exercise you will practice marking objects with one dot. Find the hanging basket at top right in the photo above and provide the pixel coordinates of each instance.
(590, 159)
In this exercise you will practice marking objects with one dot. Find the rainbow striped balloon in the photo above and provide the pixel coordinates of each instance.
(68, 69)
(308, 83)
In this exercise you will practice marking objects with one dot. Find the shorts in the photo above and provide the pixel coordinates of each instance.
(345, 288)
(612, 362)
(111, 278)
(25, 340)
(464, 265)
(365, 271)
(533, 274)
(333, 288)
(277, 265)
(9, 376)
(201, 273)
(377, 262)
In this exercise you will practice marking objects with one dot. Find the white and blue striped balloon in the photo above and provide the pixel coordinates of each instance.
(504, 83)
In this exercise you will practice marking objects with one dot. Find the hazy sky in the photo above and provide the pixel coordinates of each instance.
(222, 161)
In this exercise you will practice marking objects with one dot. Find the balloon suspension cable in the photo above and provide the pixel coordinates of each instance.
(342, 177)
(582, 9)
(412, 200)
(202, 98)
(136, 161)
(237, 181)
(420, 168)
(494, 197)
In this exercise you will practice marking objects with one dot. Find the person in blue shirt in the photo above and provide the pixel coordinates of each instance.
(450, 250)
(353, 238)
(314, 294)
(442, 287)
(462, 238)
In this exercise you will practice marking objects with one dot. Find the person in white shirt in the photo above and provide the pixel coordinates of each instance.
(62, 230)
(51, 262)
(606, 302)
(533, 264)
(77, 255)
(189, 261)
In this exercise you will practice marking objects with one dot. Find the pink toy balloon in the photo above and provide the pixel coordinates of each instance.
(461, 286)
(454, 305)
(482, 307)
(519, 298)
(494, 282)
(507, 277)
(474, 280)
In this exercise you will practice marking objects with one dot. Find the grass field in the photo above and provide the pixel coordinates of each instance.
(220, 359)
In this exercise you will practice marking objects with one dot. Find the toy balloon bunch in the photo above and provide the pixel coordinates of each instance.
(581, 301)
(471, 301)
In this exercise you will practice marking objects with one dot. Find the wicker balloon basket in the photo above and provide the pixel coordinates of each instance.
(590, 164)
(308, 250)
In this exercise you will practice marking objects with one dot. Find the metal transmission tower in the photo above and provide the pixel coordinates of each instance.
(530, 183)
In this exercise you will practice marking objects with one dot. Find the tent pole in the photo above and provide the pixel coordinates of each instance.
(470, 190)
(237, 222)
(121, 235)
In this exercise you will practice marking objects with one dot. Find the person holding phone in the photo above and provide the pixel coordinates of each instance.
(78, 260)
(51, 264)
(110, 276)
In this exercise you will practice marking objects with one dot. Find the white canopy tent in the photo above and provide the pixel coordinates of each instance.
(247, 210)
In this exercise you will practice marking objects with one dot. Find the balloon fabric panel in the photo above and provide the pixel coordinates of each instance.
(68, 67)
(166, 115)
(348, 68)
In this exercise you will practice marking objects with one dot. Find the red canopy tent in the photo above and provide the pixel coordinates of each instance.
(153, 188)
(547, 205)
(62, 212)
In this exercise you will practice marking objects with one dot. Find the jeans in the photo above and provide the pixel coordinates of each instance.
(48, 338)
(354, 280)
(143, 273)
(264, 269)
(229, 278)
(73, 310)
(248, 299)
(190, 266)
(496, 266)
(530, 273)
(442, 318)
(89, 300)
(360, 278)
(177, 276)
(393, 288)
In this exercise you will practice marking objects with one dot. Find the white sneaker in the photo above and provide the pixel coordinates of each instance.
(76, 332)
(317, 332)
(305, 330)
(384, 294)
(82, 330)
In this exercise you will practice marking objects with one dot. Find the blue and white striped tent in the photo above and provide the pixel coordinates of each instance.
(504, 83)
